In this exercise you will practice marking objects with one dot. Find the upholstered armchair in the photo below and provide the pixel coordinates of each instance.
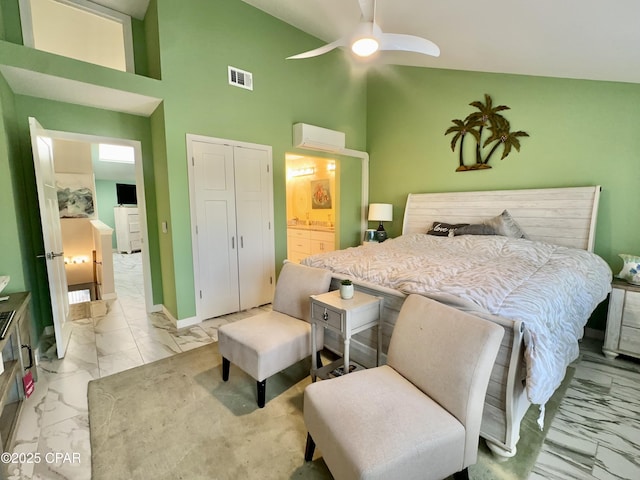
(418, 417)
(267, 343)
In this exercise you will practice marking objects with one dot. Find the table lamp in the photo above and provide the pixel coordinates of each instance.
(380, 212)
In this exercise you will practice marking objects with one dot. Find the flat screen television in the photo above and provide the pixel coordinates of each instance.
(126, 194)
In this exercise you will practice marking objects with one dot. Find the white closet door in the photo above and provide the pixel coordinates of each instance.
(256, 256)
(216, 229)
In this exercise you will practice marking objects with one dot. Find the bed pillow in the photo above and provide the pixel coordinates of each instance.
(505, 225)
(475, 229)
(442, 229)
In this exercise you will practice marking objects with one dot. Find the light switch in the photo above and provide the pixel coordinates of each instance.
(165, 227)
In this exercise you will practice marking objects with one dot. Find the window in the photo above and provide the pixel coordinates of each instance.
(116, 153)
(79, 29)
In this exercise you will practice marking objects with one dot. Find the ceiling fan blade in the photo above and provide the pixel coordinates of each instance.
(341, 42)
(368, 8)
(408, 43)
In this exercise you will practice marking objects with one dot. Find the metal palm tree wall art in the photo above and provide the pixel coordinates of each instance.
(486, 119)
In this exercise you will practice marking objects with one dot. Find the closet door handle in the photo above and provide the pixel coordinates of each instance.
(241, 241)
(233, 243)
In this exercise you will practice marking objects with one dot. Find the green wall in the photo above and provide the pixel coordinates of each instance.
(581, 133)
(11, 253)
(189, 47)
(197, 44)
(11, 28)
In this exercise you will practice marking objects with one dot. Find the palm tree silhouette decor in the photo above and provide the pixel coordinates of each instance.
(475, 123)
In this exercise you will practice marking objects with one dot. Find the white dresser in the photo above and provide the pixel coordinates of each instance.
(623, 321)
(128, 238)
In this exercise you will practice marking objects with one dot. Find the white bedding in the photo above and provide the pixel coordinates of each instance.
(553, 289)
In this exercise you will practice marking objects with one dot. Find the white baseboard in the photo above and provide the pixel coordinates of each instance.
(187, 322)
(156, 308)
(182, 323)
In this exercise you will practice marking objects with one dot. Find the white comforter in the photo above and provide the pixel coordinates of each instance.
(552, 289)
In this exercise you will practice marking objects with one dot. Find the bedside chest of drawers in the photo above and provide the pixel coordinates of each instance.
(128, 234)
(345, 317)
(623, 321)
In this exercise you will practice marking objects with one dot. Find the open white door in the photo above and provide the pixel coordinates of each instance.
(42, 146)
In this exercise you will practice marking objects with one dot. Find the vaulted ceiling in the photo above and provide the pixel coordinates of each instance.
(585, 39)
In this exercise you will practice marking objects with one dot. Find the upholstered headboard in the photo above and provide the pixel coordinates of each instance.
(562, 216)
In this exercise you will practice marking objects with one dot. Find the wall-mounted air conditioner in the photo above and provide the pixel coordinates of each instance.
(317, 138)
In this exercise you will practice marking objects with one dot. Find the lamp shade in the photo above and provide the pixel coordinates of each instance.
(380, 212)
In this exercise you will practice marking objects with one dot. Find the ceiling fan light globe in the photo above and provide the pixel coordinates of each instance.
(365, 47)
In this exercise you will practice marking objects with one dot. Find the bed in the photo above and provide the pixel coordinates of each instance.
(541, 289)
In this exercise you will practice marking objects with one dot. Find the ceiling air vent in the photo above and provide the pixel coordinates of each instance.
(240, 78)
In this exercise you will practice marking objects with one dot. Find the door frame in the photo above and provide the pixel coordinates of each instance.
(142, 209)
(190, 139)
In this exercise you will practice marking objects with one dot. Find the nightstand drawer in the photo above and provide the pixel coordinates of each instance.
(327, 316)
(630, 339)
(631, 310)
(623, 320)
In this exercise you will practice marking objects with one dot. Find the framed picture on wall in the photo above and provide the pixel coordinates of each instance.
(76, 194)
(320, 194)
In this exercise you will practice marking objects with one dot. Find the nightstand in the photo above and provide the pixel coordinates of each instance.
(623, 321)
(345, 317)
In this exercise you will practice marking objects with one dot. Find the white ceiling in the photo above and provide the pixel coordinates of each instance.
(585, 39)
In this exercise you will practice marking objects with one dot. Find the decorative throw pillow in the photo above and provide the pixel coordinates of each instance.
(505, 225)
(475, 229)
(442, 229)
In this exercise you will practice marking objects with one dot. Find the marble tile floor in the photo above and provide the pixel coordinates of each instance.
(595, 434)
(54, 420)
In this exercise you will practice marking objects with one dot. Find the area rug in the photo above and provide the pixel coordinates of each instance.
(177, 419)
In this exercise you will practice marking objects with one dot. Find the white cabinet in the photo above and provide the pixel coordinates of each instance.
(232, 211)
(298, 244)
(623, 321)
(128, 238)
(322, 242)
(302, 242)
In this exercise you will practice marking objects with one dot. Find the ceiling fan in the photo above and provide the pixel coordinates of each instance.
(367, 39)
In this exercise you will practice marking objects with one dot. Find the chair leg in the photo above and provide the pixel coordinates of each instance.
(262, 390)
(225, 369)
(309, 448)
(461, 475)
